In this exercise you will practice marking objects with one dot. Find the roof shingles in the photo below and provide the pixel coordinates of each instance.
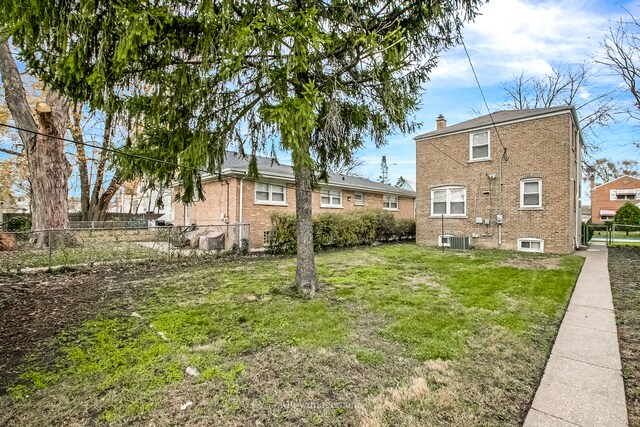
(268, 167)
(498, 118)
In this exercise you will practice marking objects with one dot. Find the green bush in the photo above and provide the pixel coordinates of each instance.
(627, 214)
(589, 231)
(406, 228)
(341, 230)
(283, 233)
(19, 224)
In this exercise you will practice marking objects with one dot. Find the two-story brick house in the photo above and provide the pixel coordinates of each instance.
(608, 197)
(238, 200)
(507, 180)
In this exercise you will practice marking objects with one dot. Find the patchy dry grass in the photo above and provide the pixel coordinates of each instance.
(624, 270)
(398, 335)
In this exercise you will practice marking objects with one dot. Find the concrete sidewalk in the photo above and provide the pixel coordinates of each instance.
(582, 383)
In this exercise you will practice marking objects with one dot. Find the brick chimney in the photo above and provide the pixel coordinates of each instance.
(592, 179)
(441, 123)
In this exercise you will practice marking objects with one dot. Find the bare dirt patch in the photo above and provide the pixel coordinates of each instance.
(35, 307)
(531, 263)
(624, 272)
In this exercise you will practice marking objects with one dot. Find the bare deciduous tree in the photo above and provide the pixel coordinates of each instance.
(621, 53)
(349, 167)
(563, 85)
(605, 170)
(95, 192)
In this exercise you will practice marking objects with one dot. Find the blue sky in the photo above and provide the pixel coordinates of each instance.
(507, 38)
(511, 36)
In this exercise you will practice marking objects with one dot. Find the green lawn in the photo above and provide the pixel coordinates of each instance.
(398, 335)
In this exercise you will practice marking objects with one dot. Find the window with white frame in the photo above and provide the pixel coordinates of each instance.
(358, 198)
(390, 203)
(628, 194)
(444, 240)
(531, 193)
(528, 244)
(330, 198)
(479, 148)
(449, 201)
(270, 194)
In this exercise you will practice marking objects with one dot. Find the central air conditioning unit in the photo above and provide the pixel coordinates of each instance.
(460, 243)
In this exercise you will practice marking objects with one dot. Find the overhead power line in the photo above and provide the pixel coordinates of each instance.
(110, 150)
(486, 104)
(447, 155)
(115, 150)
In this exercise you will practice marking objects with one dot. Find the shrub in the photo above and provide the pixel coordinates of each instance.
(627, 214)
(386, 226)
(19, 224)
(588, 230)
(340, 230)
(406, 228)
(283, 233)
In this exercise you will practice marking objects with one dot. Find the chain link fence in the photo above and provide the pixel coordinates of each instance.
(611, 234)
(49, 249)
(112, 224)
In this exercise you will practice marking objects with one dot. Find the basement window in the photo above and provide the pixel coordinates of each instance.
(529, 244)
(443, 240)
(266, 238)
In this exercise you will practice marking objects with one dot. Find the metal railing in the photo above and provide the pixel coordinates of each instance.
(47, 249)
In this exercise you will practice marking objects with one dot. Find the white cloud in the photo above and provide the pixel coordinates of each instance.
(511, 36)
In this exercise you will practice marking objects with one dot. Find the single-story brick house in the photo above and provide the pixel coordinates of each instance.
(608, 197)
(510, 180)
(238, 200)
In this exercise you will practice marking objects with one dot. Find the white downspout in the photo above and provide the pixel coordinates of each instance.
(240, 215)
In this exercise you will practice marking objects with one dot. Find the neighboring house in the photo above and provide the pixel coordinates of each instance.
(74, 204)
(238, 200)
(608, 197)
(135, 198)
(510, 180)
(409, 185)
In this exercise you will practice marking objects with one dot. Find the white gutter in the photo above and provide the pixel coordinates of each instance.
(288, 178)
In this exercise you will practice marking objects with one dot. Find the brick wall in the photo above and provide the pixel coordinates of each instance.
(258, 216)
(601, 196)
(543, 148)
(210, 210)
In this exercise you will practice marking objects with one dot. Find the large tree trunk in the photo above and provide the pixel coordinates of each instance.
(49, 169)
(306, 268)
